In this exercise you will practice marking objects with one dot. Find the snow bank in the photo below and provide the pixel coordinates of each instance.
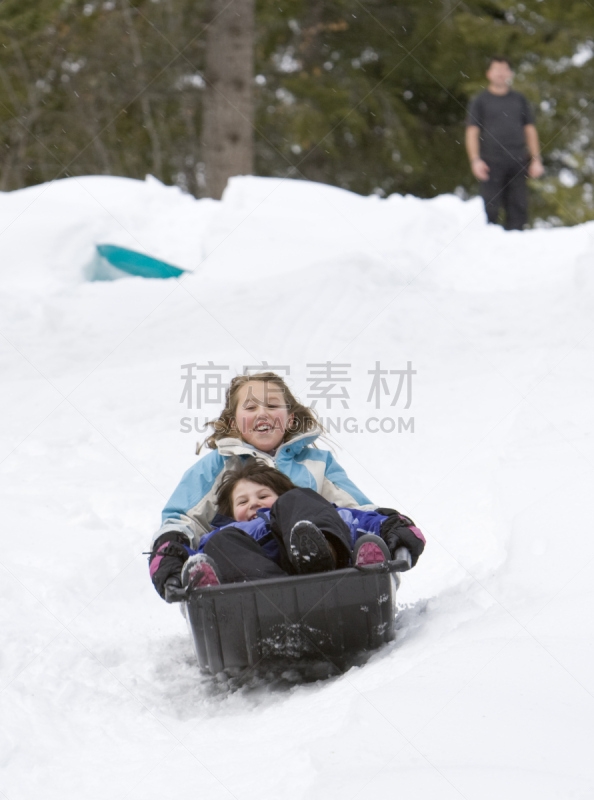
(49, 232)
(488, 689)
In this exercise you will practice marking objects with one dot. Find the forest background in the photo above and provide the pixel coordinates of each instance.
(368, 96)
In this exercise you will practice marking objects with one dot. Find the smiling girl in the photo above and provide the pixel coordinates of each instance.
(262, 419)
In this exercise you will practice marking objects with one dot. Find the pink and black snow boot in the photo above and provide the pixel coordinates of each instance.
(369, 550)
(200, 571)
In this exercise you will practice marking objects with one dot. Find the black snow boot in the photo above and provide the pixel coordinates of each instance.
(309, 550)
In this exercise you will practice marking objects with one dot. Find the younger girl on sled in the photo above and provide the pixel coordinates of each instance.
(264, 453)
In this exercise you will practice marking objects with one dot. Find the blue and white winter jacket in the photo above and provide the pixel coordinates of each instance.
(192, 506)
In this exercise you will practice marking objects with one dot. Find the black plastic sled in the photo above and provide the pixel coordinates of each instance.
(329, 616)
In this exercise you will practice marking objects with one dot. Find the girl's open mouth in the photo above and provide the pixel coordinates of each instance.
(263, 427)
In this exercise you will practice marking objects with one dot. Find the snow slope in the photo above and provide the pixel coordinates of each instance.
(488, 690)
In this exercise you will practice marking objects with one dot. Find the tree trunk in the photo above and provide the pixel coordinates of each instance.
(228, 133)
(145, 103)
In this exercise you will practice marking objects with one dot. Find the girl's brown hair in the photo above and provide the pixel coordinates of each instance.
(251, 470)
(304, 418)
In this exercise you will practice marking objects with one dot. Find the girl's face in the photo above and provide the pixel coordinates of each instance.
(247, 497)
(261, 415)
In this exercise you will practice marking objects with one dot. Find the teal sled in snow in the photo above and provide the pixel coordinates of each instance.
(112, 262)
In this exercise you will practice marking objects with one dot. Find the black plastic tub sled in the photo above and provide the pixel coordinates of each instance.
(331, 617)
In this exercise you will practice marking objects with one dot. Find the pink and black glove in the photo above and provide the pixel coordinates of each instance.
(400, 531)
(170, 552)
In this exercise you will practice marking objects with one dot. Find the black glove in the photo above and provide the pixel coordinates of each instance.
(174, 592)
(166, 561)
(396, 532)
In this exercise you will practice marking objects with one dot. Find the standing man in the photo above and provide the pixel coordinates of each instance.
(502, 146)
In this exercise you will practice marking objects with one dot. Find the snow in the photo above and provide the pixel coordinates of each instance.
(487, 691)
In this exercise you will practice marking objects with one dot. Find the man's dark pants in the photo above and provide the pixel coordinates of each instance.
(507, 187)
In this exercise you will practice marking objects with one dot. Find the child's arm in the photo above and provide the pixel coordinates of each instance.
(185, 520)
(337, 487)
(394, 528)
(166, 561)
(400, 531)
(193, 504)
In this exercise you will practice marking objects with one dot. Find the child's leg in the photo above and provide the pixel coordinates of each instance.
(239, 558)
(305, 504)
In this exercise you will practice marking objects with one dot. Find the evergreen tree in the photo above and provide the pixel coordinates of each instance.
(110, 87)
(370, 96)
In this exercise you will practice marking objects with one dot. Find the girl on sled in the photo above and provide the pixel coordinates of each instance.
(313, 515)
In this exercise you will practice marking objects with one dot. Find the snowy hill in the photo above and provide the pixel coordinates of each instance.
(487, 693)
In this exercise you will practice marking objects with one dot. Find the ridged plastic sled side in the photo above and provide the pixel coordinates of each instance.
(329, 616)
